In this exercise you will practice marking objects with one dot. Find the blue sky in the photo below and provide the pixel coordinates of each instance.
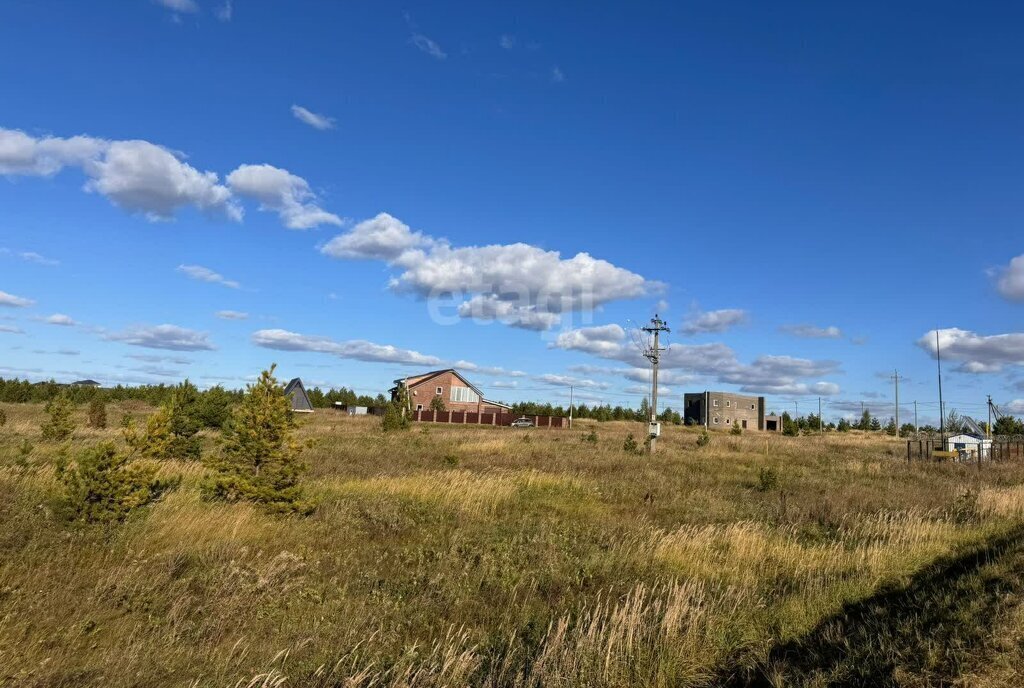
(804, 190)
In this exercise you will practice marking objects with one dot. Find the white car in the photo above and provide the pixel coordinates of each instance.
(522, 422)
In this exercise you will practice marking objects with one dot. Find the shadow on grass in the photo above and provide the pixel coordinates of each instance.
(914, 635)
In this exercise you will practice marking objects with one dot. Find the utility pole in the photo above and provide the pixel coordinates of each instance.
(570, 407)
(988, 428)
(942, 410)
(896, 379)
(917, 428)
(653, 354)
(821, 429)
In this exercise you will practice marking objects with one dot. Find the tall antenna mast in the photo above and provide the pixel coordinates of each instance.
(653, 354)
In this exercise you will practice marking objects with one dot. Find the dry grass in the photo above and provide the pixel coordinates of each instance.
(449, 556)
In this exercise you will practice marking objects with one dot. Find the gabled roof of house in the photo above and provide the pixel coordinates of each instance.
(417, 380)
(296, 392)
(495, 403)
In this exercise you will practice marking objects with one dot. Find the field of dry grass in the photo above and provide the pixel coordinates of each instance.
(449, 556)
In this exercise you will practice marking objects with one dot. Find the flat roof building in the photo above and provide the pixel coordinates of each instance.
(723, 409)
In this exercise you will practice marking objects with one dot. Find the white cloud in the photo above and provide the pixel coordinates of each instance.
(976, 353)
(813, 332)
(33, 257)
(1010, 282)
(154, 358)
(226, 11)
(504, 384)
(568, 380)
(203, 274)
(507, 41)
(713, 321)
(11, 329)
(60, 319)
(357, 349)
(187, 6)
(13, 301)
(428, 46)
(232, 315)
(317, 121)
(522, 284)
(281, 191)
(169, 337)
(766, 374)
(143, 177)
(1016, 407)
(557, 75)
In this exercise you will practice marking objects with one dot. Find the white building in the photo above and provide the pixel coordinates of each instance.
(971, 443)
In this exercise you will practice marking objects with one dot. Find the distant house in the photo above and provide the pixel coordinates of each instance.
(971, 442)
(457, 393)
(723, 409)
(354, 410)
(295, 391)
(85, 383)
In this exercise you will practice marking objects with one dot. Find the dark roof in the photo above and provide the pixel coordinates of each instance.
(296, 392)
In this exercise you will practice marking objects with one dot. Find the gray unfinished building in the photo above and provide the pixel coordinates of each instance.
(722, 409)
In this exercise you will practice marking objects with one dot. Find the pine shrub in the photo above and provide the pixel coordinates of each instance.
(60, 424)
(171, 433)
(395, 416)
(259, 457)
(105, 485)
(703, 439)
(97, 414)
(3, 418)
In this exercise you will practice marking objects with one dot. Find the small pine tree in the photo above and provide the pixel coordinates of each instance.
(97, 414)
(171, 432)
(259, 460)
(736, 429)
(437, 404)
(104, 485)
(3, 418)
(844, 425)
(890, 427)
(876, 425)
(60, 424)
(703, 439)
(395, 417)
(155, 441)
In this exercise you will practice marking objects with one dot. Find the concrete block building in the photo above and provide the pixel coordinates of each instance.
(722, 409)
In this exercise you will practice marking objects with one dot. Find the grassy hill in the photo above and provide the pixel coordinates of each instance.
(451, 556)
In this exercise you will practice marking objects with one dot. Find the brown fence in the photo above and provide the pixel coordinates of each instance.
(932, 450)
(470, 418)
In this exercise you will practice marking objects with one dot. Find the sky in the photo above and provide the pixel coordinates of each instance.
(806, 192)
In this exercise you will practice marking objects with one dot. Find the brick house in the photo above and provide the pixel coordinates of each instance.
(457, 393)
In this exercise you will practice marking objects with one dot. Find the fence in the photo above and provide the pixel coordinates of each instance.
(933, 450)
(496, 419)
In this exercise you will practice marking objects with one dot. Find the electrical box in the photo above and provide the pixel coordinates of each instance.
(654, 430)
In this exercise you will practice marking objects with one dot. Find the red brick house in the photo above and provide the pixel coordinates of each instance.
(457, 393)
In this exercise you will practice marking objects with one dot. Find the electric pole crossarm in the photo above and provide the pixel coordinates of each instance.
(653, 354)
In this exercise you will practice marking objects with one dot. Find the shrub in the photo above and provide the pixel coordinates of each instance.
(259, 458)
(97, 414)
(437, 404)
(213, 408)
(104, 485)
(451, 460)
(3, 418)
(395, 417)
(590, 437)
(736, 429)
(60, 424)
(703, 439)
(171, 432)
(767, 479)
(630, 446)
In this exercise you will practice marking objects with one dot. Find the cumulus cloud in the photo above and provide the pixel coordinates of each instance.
(520, 284)
(813, 331)
(358, 349)
(232, 315)
(203, 274)
(163, 337)
(765, 374)
(713, 321)
(568, 380)
(1010, 280)
(29, 256)
(11, 329)
(12, 301)
(280, 191)
(313, 119)
(976, 353)
(60, 319)
(139, 176)
(428, 46)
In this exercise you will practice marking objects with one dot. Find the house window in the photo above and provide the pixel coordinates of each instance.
(419, 407)
(716, 420)
(728, 422)
(464, 395)
(744, 425)
(751, 407)
(715, 403)
(728, 404)
(439, 390)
